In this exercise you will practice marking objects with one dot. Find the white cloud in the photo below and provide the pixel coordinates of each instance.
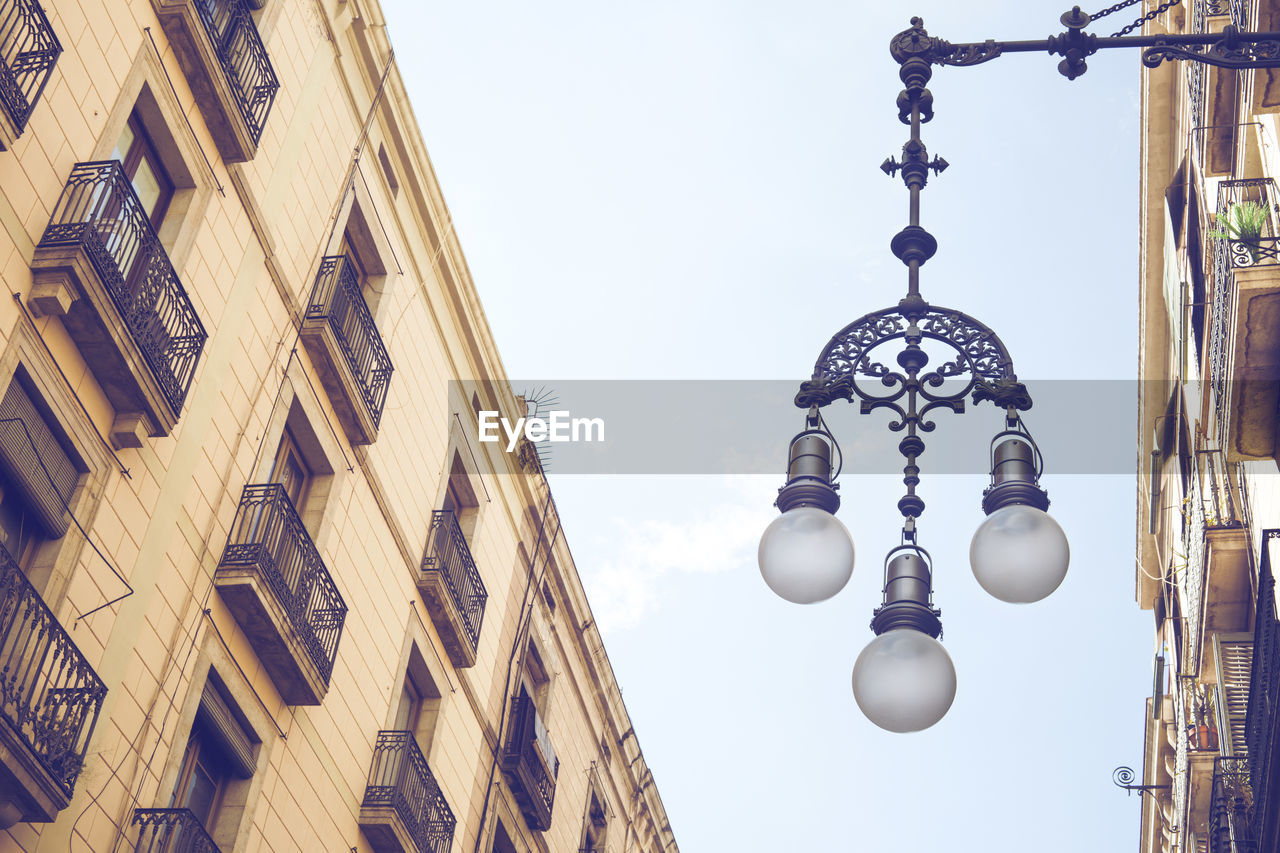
(631, 560)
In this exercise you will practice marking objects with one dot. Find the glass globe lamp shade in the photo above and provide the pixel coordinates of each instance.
(806, 555)
(904, 681)
(1019, 554)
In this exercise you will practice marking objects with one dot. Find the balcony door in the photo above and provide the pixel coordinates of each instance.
(290, 470)
(121, 232)
(151, 182)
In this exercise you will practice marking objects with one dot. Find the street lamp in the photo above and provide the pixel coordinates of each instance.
(904, 679)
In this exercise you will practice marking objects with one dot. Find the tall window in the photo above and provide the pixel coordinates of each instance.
(596, 824)
(142, 165)
(219, 755)
(19, 533)
(460, 499)
(290, 470)
(418, 704)
(203, 777)
(38, 474)
(357, 263)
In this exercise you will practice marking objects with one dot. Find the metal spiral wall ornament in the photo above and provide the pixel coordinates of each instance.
(1123, 777)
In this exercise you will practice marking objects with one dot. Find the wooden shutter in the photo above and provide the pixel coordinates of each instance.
(47, 488)
(1233, 654)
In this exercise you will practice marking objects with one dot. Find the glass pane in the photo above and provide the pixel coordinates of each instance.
(201, 794)
(147, 186)
(124, 143)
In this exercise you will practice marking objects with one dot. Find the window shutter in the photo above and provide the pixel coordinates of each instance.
(46, 494)
(221, 724)
(1234, 656)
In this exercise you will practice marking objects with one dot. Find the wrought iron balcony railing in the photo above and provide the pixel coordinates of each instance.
(1220, 492)
(267, 535)
(171, 831)
(1264, 690)
(1232, 252)
(337, 301)
(243, 58)
(530, 763)
(49, 695)
(99, 212)
(28, 51)
(400, 779)
(1230, 806)
(450, 556)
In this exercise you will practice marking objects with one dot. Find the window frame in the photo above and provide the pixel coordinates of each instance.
(52, 562)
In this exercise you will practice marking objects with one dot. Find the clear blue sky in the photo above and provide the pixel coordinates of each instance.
(691, 189)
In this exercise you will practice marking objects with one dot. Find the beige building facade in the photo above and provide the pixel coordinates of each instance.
(261, 587)
(1209, 506)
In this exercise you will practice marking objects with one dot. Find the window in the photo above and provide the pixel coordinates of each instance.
(387, 171)
(38, 473)
(290, 470)
(417, 706)
(595, 823)
(460, 498)
(502, 842)
(144, 169)
(219, 755)
(364, 241)
(202, 778)
(537, 682)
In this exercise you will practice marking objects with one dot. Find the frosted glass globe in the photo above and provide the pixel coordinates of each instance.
(806, 555)
(1019, 554)
(904, 680)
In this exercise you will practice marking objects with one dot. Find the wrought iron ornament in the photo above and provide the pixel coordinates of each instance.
(980, 362)
(853, 363)
(1123, 778)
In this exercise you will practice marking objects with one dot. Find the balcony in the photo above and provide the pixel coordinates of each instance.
(403, 810)
(102, 270)
(1226, 587)
(1244, 330)
(280, 593)
(1214, 91)
(530, 763)
(341, 337)
(1232, 802)
(171, 831)
(224, 60)
(49, 702)
(1262, 728)
(28, 52)
(452, 589)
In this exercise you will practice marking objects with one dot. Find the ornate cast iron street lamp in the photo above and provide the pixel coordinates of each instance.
(904, 680)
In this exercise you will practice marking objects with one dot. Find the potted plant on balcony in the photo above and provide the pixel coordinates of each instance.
(1242, 224)
(1203, 731)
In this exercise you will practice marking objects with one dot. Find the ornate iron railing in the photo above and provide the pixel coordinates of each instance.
(99, 211)
(400, 778)
(268, 535)
(1193, 530)
(1219, 495)
(1230, 807)
(28, 52)
(243, 57)
(1234, 8)
(338, 301)
(1196, 81)
(171, 831)
(527, 756)
(49, 695)
(1228, 254)
(1264, 679)
(449, 554)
